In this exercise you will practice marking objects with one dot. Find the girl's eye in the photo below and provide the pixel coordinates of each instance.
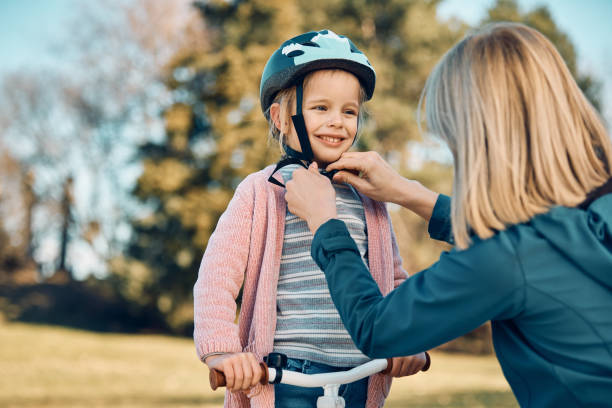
(350, 112)
(320, 107)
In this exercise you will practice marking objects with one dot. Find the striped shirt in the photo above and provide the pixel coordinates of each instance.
(308, 325)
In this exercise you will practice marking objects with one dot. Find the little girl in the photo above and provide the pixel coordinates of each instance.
(312, 91)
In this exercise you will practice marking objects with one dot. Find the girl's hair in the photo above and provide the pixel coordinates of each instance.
(286, 98)
(523, 136)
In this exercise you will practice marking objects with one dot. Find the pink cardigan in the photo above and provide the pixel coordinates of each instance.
(246, 248)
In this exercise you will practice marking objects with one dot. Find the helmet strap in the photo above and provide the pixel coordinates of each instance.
(282, 163)
(300, 125)
(289, 152)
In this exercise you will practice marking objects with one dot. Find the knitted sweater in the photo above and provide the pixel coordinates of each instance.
(245, 251)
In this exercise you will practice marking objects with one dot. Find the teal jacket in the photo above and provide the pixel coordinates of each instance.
(545, 285)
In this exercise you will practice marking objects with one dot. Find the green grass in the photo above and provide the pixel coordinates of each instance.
(42, 366)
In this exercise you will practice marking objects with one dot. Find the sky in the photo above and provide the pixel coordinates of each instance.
(29, 29)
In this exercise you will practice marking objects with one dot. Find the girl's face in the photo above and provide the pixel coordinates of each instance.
(330, 107)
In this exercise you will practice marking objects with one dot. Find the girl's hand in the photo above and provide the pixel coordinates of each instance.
(371, 175)
(311, 197)
(241, 370)
(404, 366)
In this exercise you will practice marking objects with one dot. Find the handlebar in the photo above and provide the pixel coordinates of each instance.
(272, 375)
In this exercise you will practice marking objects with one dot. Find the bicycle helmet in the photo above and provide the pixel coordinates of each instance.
(288, 66)
(308, 52)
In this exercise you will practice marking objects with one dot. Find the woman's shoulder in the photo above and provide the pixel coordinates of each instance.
(491, 265)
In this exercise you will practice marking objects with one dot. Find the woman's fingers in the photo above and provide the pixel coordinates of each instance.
(346, 162)
(410, 365)
(379, 181)
(376, 178)
(354, 180)
(397, 367)
(403, 367)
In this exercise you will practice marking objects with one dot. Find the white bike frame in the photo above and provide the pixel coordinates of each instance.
(331, 382)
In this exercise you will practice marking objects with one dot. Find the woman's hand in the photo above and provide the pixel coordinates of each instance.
(241, 370)
(404, 366)
(368, 173)
(371, 175)
(311, 197)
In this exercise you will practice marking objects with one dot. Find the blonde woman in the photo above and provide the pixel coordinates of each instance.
(531, 219)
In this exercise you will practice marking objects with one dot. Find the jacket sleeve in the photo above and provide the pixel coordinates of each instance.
(220, 278)
(457, 294)
(440, 227)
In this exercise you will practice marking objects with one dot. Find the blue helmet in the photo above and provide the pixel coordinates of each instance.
(308, 52)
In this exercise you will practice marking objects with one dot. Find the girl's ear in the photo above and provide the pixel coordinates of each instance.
(275, 115)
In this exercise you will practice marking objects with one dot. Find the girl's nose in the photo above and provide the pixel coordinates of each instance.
(336, 119)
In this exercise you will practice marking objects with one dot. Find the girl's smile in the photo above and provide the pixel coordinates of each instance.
(332, 141)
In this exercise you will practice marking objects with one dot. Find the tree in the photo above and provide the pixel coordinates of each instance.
(16, 203)
(83, 121)
(214, 129)
(29, 117)
(214, 137)
(216, 134)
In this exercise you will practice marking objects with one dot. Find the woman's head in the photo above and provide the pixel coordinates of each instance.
(332, 107)
(523, 136)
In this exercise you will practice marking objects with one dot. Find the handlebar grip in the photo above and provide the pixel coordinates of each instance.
(390, 364)
(217, 378)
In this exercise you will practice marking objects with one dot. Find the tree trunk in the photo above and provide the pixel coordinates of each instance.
(63, 274)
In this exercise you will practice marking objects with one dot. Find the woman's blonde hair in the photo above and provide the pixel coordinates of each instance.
(286, 99)
(523, 136)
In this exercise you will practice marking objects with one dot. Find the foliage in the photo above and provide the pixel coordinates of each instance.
(9, 203)
(216, 134)
(89, 305)
(16, 203)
